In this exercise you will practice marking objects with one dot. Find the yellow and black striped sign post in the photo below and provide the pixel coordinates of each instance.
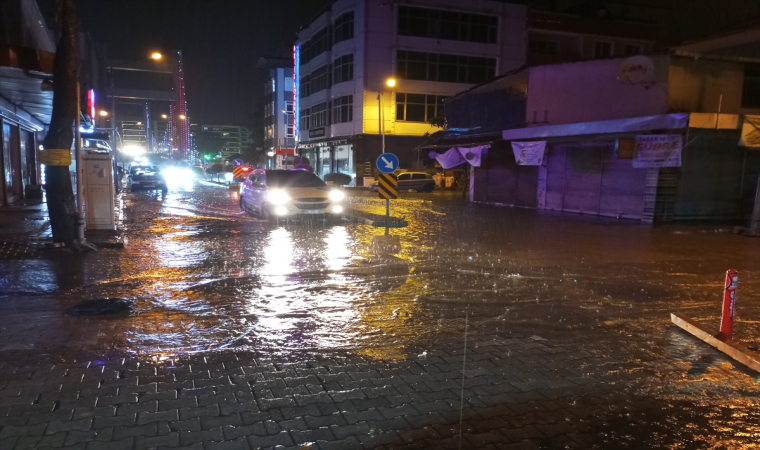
(387, 186)
(239, 172)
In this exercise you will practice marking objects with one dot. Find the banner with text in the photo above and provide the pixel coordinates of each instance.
(529, 153)
(658, 150)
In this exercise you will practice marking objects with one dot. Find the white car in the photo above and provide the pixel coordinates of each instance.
(289, 194)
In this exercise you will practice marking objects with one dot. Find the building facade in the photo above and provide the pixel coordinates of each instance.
(432, 49)
(234, 139)
(279, 126)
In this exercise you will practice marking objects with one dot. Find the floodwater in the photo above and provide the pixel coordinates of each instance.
(205, 277)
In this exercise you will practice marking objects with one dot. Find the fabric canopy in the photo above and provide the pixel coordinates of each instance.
(459, 155)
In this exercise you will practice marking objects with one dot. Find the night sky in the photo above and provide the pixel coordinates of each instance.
(221, 41)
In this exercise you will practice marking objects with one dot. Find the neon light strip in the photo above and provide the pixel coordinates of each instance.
(91, 101)
(296, 105)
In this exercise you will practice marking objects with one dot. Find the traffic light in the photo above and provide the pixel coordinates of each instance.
(207, 156)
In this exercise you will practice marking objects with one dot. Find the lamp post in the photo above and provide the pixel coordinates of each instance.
(391, 83)
(155, 56)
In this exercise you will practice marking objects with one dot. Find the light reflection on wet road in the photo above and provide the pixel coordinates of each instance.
(206, 277)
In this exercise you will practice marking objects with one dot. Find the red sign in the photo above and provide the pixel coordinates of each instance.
(285, 151)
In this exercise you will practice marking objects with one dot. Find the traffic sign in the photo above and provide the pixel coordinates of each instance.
(387, 185)
(237, 162)
(240, 172)
(387, 163)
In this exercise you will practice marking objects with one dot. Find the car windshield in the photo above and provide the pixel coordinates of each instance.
(293, 179)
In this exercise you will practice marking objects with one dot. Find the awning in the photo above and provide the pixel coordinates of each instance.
(634, 124)
(462, 141)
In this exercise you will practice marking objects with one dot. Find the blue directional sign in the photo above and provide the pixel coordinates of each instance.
(237, 162)
(387, 163)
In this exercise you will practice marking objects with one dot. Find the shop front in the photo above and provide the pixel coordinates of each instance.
(335, 156)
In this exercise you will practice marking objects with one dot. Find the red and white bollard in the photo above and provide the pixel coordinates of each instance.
(729, 306)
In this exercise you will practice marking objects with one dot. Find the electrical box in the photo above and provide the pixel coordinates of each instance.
(98, 191)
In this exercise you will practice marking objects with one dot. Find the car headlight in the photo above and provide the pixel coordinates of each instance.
(277, 197)
(337, 196)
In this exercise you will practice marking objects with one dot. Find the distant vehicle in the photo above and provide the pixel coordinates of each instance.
(412, 181)
(134, 169)
(148, 180)
(289, 193)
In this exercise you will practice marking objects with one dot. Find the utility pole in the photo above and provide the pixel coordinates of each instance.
(60, 195)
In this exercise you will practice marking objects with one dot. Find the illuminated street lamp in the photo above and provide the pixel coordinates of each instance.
(103, 113)
(164, 116)
(390, 82)
(156, 56)
(182, 117)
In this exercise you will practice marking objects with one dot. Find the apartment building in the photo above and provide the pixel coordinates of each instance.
(433, 49)
(278, 114)
(235, 139)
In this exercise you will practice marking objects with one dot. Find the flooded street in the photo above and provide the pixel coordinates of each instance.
(566, 319)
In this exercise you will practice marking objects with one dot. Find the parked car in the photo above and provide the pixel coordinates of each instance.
(289, 193)
(148, 180)
(412, 181)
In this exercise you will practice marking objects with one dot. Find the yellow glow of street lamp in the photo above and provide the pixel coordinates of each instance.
(156, 56)
(164, 116)
(391, 82)
(103, 113)
(182, 117)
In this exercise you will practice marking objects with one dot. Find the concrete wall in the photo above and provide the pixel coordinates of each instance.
(590, 91)
(696, 85)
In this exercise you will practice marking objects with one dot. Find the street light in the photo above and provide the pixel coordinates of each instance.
(182, 117)
(390, 82)
(103, 113)
(155, 56)
(164, 116)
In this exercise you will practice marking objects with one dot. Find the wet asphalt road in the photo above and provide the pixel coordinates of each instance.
(207, 279)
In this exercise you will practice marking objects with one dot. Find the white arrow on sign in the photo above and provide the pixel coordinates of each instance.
(388, 164)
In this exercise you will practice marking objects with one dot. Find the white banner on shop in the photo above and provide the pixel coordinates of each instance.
(529, 153)
(658, 150)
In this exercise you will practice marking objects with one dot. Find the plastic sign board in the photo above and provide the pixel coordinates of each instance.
(387, 186)
(237, 162)
(55, 157)
(387, 163)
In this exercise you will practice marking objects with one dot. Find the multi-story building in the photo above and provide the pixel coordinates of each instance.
(279, 126)
(432, 49)
(578, 34)
(235, 139)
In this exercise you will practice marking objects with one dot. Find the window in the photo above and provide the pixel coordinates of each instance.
(443, 67)
(543, 47)
(450, 25)
(318, 44)
(319, 116)
(343, 68)
(303, 87)
(404, 177)
(418, 176)
(631, 50)
(344, 27)
(602, 49)
(343, 109)
(291, 132)
(320, 79)
(751, 90)
(304, 118)
(418, 107)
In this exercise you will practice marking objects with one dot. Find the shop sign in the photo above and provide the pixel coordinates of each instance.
(658, 150)
(317, 132)
(529, 153)
(751, 132)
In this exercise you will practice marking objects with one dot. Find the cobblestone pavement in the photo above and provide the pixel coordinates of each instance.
(555, 358)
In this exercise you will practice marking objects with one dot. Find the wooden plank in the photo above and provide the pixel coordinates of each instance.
(734, 349)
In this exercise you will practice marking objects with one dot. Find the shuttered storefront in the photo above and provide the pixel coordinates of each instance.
(589, 178)
(500, 180)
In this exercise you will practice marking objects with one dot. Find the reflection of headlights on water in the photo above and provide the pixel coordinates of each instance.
(337, 196)
(228, 176)
(281, 210)
(337, 209)
(277, 197)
